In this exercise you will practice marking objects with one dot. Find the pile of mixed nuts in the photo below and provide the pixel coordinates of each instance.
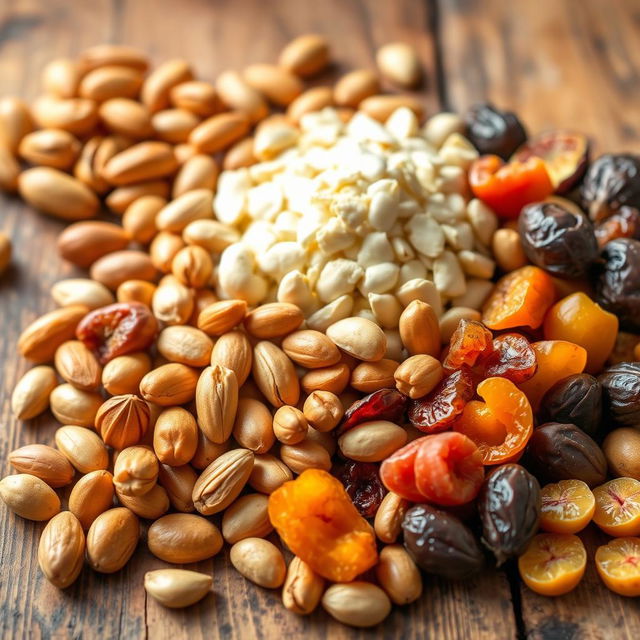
(233, 321)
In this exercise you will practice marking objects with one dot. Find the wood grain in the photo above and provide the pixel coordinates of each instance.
(582, 73)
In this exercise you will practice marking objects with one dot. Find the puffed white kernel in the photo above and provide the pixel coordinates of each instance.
(338, 277)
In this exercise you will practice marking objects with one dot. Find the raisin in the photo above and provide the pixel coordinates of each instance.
(623, 224)
(117, 329)
(361, 481)
(621, 393)
(509, 507)
(438, 410)
(469, 341)
(384, 404)
(512, 357)
(494, 131)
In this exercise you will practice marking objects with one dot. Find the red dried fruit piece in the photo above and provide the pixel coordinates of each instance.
(361, 481)
(512, 358)
(449, 469)
(469, 341)
(437, 411)
(384, 404)
(117, 329)
(398, 472)
(625, 223)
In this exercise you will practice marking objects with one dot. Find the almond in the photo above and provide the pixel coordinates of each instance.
(175, 436)
(192, 205)
(233, 350)
(44, 462)
(111, 81)
(247, 517)
(334, 379)
(61, 550)
(372, 441)
(15, 121)
(217, 402)
(119, 266)
(275, 374)
(314, 99)
(306, 55)
(84, 242)
(123, 374)
(103, 55)
(169, 385)
(74, 406)
(196, 96)
(399, 63)
(31, 394)
(126, 117)
(61, 77)
(359, 337)
(253, 428)
(187, 345)
(39, 341)
(83, 448)
(135, 471)
(174, 125)
(268, 473)
(29, 497)
(158, 84)
(419, 329)
(178, 482)
(273, 320)
(75, 115)
(50, 147)
(198, 172)
(311, 349)
(176, 588)
(57, 194)
(141, 162)
(119, 199)
(173, 304)
(398, 575)
(95, 153)
(302, 588)
(260, 561)
(221, 317)
(239, 96)
(9, 169)
(219, 131)
(78, 366)
(82, 291)
(122, 420)
(380, 107)
(112, 539)
(151, 506)
(355, 86)
(91, 496)
(182, 538)
(279, 85)
(371, 376)
(389, 517)
(289, 425)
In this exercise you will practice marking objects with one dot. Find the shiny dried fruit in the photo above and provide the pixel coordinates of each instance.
(576, 399)
(438, 410)
(361, 481)
(618, 564)
(617, 510)
(625, 223)
(567, 506)
(494, 131)
(117, 329)
(621, 393)
(512, 357)
(384, 404)
(441, 544)
(470, 341)
(558, 239)
(618, 285)
(317, 520)
(509, 507)
(612, 181)
(561, 452)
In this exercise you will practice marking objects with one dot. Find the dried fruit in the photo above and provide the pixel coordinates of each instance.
(494, 131)
(362, 483)
(318, 522)
(441, 544)
(617, 510)
(439, 410)
(509, 507)
(621, 393)
(553, 564)
(625, 223)
(117, 329)
(384, 404)
(469, 342)
(618, 564)
(567, 506)
(512, 357)
(620, 449)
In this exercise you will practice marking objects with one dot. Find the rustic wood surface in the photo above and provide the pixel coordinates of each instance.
(557, 62)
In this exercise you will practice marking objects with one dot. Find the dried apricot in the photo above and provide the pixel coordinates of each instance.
(567, 506)
(618, 564)
(398, 472)
(553, 564)
(618, 507)
(470, 341)
(578, 319)
(437, 411)
(512, 357)
(557, 359)
(501, 425)
(318, 522)
(519, 299)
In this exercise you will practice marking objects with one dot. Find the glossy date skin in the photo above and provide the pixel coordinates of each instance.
(621, 393)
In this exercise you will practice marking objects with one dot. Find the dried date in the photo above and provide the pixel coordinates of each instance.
(494, 131)
(361, 481)
(621, 393)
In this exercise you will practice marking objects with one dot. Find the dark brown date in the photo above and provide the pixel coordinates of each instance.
(562, 451)
(621, 393)
(509, 507)
(576, 399)
(494, 131)
(440, 543)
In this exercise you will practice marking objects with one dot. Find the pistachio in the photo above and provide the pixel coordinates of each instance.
(112, 538)
(61, 550)
(175, 588)
(30, 497)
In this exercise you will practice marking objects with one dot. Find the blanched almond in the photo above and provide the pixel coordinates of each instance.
(278, 84)
(220, 131)
(359, 337)
(169, 385)
(273, 320)
(123, 374)
(198, 172)
(74, 406)
(83, 448)
(82, 291)
(311, 349)
(239, 96)
(91, 496)
(50, 148)
(61, 550)
(29, 497)
(247, 517)
(82, 243)
(126, 117)
(112, 81)
(112, 539)
(196, 96)
(176, 588)
(182, 538)
(78, 366)
(175, 436)
(216, 402)
(158, 84)
(61, 78)
(44, 462)
(306, 55)
(119, 266)
(141, 162)
(31, 394)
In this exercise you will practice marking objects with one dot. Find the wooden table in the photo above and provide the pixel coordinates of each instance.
(558, 63)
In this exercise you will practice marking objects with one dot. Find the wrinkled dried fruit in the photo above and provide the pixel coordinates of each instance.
(623, 224)
(117, 329)
(361, 481)
(509, 507)
(317, 520)
(621, 393)
(440, 543)
(493, 131)
(384, 404)
(438, 410)
(470, 341)
(512, 358)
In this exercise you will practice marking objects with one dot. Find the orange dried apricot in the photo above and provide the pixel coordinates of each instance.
(501, 425)
(317, 520)
(556, 359)
(519, 299)
(470, 341)
(553, 564)
(580, 320)
(618, 507)
(618, 564)
(567, 506)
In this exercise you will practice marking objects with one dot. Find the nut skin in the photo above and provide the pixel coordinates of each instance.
(359, 604)
(398, 575)
(122, 421)
(177, 588)
(91, 496)
(29, 497)
(112, 539)
(61, 550)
